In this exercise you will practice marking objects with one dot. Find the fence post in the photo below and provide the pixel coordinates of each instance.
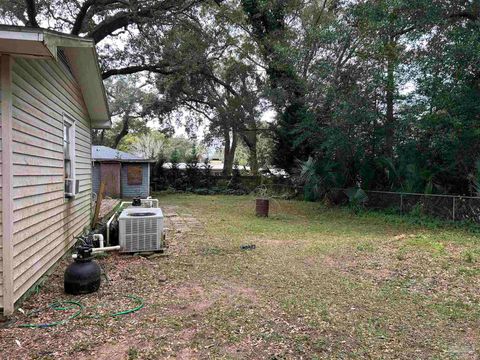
(453, 208)
(401, 203)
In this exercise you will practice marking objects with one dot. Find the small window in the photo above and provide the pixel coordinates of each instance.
(69, 156)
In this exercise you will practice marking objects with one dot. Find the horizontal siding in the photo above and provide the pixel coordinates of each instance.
(96, 177)
(1, 207)
(130, 191)
(44, 222)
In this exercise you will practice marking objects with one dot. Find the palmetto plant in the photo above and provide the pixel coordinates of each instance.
(318, 177)
(356, 197)
(311, 180)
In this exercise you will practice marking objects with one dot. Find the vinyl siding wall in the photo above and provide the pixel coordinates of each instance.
(45, 223)
(1, 227)
(96, 177)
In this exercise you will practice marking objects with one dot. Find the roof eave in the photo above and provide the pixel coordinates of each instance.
(81, 53)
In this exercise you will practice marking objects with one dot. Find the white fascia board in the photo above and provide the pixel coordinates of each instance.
(21, 35)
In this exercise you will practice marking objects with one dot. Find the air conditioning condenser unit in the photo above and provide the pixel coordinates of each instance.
(141, 229)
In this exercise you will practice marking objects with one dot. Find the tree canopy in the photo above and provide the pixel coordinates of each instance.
(380, 94)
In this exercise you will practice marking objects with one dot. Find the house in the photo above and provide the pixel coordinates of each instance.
(52, 95)
(125, 175)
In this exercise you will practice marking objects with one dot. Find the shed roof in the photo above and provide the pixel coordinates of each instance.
(80, 53)
(105, 153)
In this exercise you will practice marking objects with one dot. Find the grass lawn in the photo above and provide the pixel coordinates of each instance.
(321, 283)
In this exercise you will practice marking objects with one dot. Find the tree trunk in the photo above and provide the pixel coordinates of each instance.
(390, 100)
(250, 139)
(123, 132)
(252, 159)
(229, 152)
(102, 137)
(268, 23)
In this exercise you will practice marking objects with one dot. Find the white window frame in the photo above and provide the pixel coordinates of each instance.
(67, 120)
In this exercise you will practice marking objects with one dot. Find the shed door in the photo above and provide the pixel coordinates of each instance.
(110, 174)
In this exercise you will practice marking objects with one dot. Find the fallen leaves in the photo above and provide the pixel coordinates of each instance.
(320, 283)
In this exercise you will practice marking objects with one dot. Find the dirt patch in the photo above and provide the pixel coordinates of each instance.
(117, 350)
(194, 299)
(186, 354)
(233, 291)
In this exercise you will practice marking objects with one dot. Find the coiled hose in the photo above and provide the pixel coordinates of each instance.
(57, 306)
(60, 306)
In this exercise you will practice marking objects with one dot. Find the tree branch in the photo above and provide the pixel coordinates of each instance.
(157, 68)
(31, 13)
(125, 18)
(78, 24)
(215, 79)
(191, 107)
(404, 31)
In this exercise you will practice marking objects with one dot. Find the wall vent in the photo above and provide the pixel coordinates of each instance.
(64, 60)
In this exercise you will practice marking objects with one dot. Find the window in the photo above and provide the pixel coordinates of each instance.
(69, 155)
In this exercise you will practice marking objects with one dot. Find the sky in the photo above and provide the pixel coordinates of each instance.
(180, 130)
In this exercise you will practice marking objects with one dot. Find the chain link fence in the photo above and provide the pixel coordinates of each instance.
(447, 207)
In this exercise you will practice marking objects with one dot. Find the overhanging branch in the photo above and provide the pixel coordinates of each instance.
(125, 18)
(31, 13)
(158, 69)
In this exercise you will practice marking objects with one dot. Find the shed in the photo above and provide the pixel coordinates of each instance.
(125, 175)
(52, 96)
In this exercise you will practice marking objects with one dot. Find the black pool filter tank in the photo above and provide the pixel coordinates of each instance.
(83, 276)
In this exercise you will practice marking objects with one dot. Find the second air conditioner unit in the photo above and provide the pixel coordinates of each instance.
(141, 229)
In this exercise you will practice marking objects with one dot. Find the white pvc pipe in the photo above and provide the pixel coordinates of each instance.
(106, 248)
(99, 237)
(98, 250)
(108, 228)
(109, 222)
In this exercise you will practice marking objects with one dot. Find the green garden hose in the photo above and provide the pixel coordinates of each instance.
(57, 306)
(140, 303)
